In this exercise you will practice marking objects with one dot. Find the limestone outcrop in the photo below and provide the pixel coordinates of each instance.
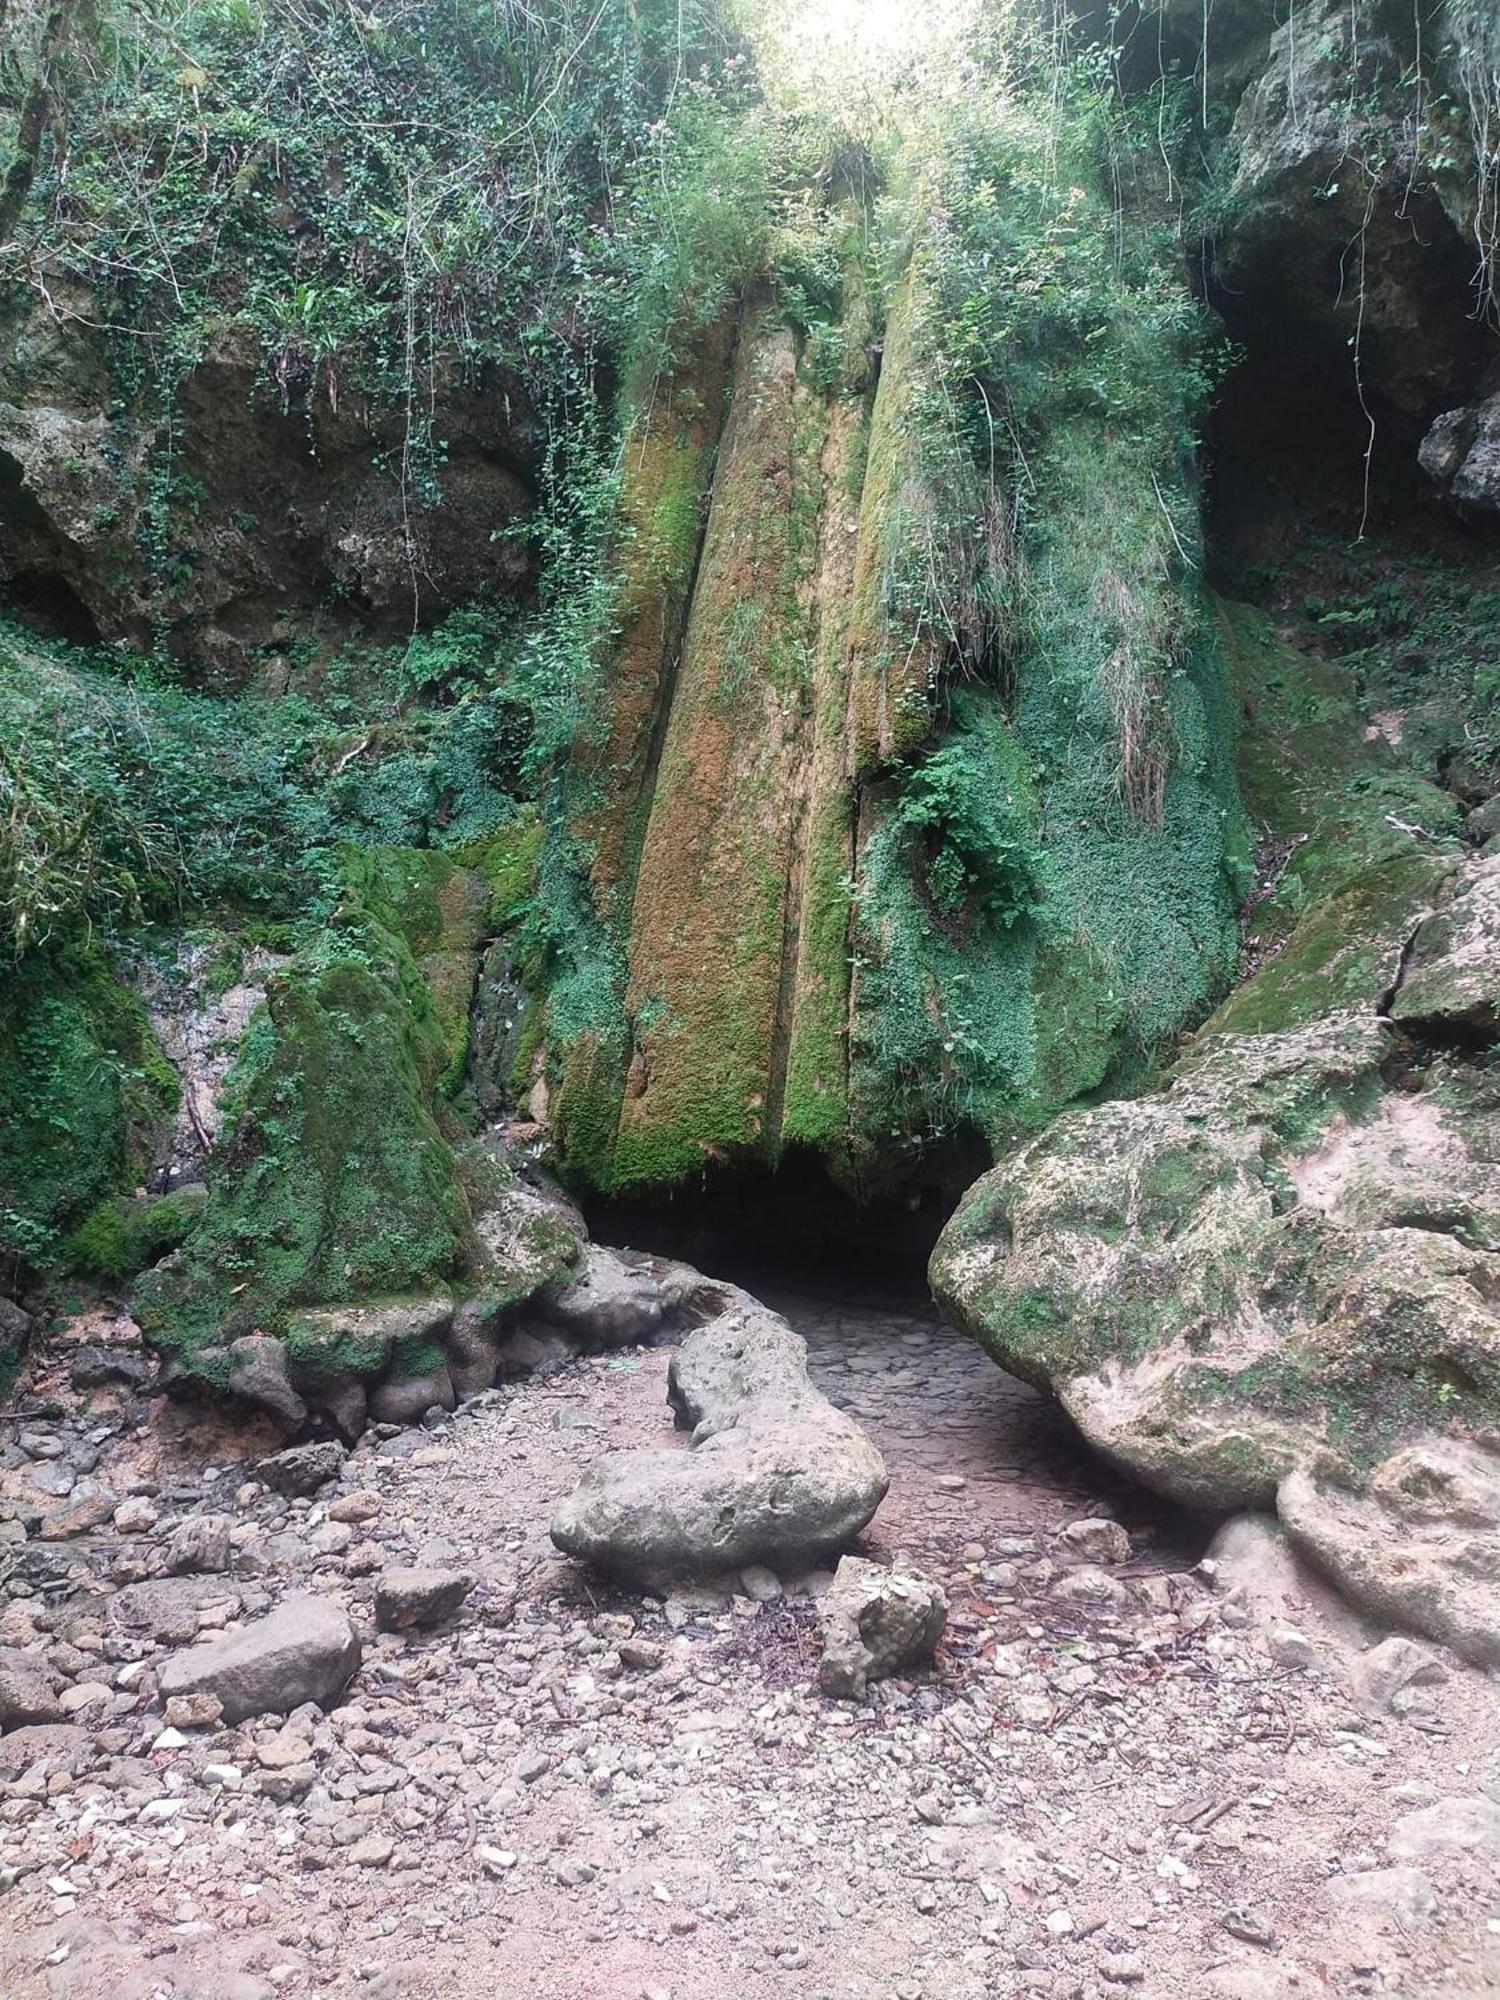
(1272, 1281)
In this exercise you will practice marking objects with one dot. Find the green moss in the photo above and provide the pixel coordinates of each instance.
(320, 1353)
(122, 1236)
(334, 1181)
(1355, 845)
(82, 1082)
(815, 1106)
(420, 1355)
(508, 861)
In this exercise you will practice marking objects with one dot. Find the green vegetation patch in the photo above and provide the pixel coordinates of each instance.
(334, 1180)
(81, 1084)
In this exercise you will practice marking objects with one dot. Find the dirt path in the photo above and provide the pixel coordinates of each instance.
(1105, 1790)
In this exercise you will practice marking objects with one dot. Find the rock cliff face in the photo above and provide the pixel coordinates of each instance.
(279, 524)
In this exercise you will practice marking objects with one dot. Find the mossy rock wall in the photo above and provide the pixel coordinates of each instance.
(82, 1083)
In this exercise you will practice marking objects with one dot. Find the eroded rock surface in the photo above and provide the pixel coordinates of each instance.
(875, 1623)
(773, 1473)
(1271, 1282)
(306, 1650)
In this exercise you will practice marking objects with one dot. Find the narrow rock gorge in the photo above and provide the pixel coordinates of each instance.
(750, 902)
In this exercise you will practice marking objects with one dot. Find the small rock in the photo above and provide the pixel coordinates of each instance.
(81, 1518)
(641, 1656)
(1092, 1588)
(28, 1690)
(193, 1711)
(760, 1584)
(102, 1367)
(355, 1507)
(875, 1622)
(374, 1851)
(200, 1545)
(306, 1650)
(136, 1516)
(409, 1400)
(1290, 1647)
(283, 1752)
(84, 1695)
(1253, 1926)
(1402, 1893)
(1390, 1669)
(303, 1469)
(1098, 1540)
(409, 1598)
(1122, 1968)
(1452, 1826)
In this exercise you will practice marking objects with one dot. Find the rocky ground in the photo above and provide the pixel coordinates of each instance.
(1121, 1778)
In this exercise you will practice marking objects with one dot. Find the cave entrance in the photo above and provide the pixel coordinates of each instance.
(984, 1469)
(795, 1225)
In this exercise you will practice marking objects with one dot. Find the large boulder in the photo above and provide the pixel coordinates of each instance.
(772, 1472)
(1271, 1283)
(613, 1300)
(1417, 1543)
(1461, 455)
(1452, 973)
(305, 1650)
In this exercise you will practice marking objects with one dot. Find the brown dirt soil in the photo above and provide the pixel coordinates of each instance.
(1115, 1793)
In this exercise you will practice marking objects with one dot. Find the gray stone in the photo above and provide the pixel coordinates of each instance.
(107, 1367)
(1268, 1583)
(56, 1746)
(1098, 1541)
(1280, 1215)
(28, 1690)
(15, 1325)
(305, 1650)
(876, 1622)
(472, 1347)
(773, 1472)
(408, 1598)
(258, 1373)
(1452, 974)
(612, 1302)
(1392, 1667)
(200, 1545)
(531, 1351)
(1461, 454)
(1402, 1893)
(302, 1470)
(346, 1405)
(1452, 1826)
(167, 1608)
(1416, 1542)
(408, 1401)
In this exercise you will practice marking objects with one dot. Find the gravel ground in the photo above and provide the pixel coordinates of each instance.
(1110, 1785)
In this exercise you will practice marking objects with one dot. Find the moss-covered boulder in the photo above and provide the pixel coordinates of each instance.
(1279, 1267)
(335, 1181)
(347, 1220)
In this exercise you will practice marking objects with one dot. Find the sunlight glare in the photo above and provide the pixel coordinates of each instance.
(832, 49)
